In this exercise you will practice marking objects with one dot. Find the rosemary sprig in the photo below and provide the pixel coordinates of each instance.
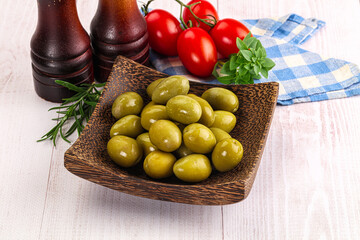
(78, 108)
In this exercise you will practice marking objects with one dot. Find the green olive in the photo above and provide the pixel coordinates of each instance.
(220, 134)
(126, 104)
(165, 135)
(224, 120)
(152, 86)
(144, 141)
(151, 114)
(129, 125)
(183, 151)
(207, 113)
(183, 109)
(159, 164)
(192, 168)
(170, 87)
(199, 138)
(151, 103)
(221, 99)
(124, 151)
(227, 154)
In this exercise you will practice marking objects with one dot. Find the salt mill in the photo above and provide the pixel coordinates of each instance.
(60, 50)
(118, 28)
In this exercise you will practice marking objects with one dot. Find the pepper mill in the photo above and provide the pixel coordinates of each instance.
(118, 28)
(60, 50)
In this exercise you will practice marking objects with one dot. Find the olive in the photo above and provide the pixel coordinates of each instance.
(183, 109)
(144, 141)
(151, 114)
(165, 135)
(220, 134)
(126, 104)
(207, 113)
(124, 151)
(183, 151)
(221, 99)
(129, 125)
(224, 120)
(150, 88)
(192, 168)
(170, 87)
(199, 138)
(151, 103)
(159, 164)
(227, 154)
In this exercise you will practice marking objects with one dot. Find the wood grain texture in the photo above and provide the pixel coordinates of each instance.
(303, 190)
(307, 186)
(88, 158)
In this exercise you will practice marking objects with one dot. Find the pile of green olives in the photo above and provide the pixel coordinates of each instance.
(176, 132)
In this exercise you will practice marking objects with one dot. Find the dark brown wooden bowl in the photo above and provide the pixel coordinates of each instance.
(88, 158)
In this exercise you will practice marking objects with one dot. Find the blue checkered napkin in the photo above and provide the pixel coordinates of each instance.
(303, 76)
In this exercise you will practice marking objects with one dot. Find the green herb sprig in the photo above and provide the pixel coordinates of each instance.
(79, 108)
(246, 65)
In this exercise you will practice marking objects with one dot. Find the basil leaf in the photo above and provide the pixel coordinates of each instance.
(247, 37)
(247, 79)
(256, 69)
(259, 45)
(264, 72)
(253, 42)
(240, 44)
(241, 60)
(246, 54)
(258, 53)
(226, 79)
(263, 52)
(257, 77)
(233, 64)
(247, 64)
(250, 42)
(268, 63)
(214, 72)
(242, 71)
(226, 68)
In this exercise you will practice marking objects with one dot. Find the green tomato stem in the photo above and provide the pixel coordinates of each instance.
(145, 7)
(205, 21)
(183, 25)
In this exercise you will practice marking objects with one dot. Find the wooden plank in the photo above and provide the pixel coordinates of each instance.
(302, 190)
(76, 208)
(24, 164)
(79, 209)
(306, 187)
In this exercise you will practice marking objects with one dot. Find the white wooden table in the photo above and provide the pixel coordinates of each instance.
(307, 186)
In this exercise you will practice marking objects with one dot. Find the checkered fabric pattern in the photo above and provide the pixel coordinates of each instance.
(303, 76)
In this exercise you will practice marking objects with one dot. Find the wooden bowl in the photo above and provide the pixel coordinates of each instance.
(88, 158)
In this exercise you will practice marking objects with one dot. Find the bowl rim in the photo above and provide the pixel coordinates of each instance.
(70, 156)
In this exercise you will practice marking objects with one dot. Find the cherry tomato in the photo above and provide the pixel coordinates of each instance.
(163, 29)
(202, 10)
(224, 34)
(197, 51)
